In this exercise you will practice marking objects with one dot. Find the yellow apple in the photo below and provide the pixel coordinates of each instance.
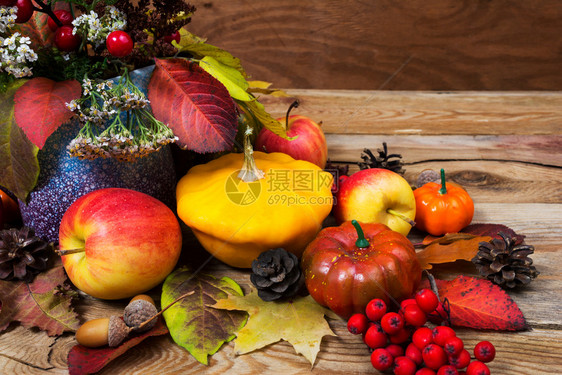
(377, 196)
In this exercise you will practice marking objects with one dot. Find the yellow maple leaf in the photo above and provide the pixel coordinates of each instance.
(299, 321)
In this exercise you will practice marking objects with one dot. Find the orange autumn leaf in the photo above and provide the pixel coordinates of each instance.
(450, 248)
(448, 238)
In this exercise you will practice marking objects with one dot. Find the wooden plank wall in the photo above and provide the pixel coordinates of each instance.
(391, 45)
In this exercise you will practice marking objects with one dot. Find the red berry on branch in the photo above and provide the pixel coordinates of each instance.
(485, 351)
(414, 353)
(357, 324)
(395, 350)
(375, 309)
(175, 36)
(422, 337)
(453, 346)
(25, 10)
(406, 302)
(425, 371)
(404, 366)
(439, 315)
(441, 334)
(434, 356)
(381, 359)
(414, 316)
(477, 368)
(392, 323)
(64, 16)
(427, 300)
(375, 339)
(401, 336)
(447, 370)
(461, 360)
(119, 43)
(65, 40)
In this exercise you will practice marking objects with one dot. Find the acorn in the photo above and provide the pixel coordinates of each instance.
(103, 331)
(139, 310)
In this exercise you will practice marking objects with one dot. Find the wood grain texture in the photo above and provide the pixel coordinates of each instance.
(427, 113)
(406, 45)
(512, 173)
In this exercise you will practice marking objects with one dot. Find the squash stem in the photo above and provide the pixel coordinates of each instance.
(249, 172)
(361, 242)
(443, 189)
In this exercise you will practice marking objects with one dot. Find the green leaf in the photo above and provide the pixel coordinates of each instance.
(299, 321)
(259, 112)
(19, 167)
(231, 78)
(193, 325)
(199, 49)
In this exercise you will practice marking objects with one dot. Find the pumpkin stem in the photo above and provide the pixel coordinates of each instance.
(249, 172)
(361, 242)
(443, 189)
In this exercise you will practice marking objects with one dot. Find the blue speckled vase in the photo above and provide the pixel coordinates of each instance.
(63, 179)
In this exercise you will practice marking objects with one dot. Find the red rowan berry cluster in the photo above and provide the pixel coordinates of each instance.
(402, 343)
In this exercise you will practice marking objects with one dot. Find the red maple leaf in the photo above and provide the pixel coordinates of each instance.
(40, 107)
(83, 360)
(481, 304)
(194, 104)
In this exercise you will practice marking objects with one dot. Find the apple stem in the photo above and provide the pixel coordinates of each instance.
(164, 309)
(443, 189)
(361, 242)
(403, 217)
(69, 251)
(294, 104)
(249, 172)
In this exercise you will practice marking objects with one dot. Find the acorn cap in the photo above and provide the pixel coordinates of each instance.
(139, 311)
(117, 331)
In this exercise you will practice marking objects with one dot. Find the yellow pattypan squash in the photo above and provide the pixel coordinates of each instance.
(241, 205)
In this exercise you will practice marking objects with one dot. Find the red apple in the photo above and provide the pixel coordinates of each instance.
(119, 242)
(310, 144)
(377, 196)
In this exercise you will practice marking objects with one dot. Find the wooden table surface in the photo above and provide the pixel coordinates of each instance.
(503, 147)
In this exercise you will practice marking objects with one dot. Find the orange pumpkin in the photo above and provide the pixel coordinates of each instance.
(347, 266)
(442, 208)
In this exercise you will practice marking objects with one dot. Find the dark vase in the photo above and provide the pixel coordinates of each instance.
(63, 179)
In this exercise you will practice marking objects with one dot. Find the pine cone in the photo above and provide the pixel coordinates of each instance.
(382, 161)
(504, 263)
(22, 255)
(276, 274)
